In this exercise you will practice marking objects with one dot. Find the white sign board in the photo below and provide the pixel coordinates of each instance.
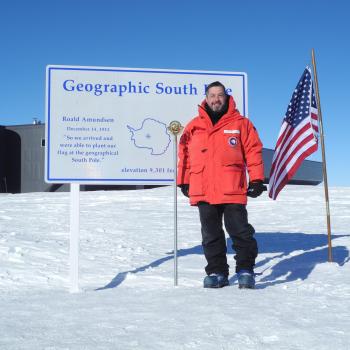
(109, 125)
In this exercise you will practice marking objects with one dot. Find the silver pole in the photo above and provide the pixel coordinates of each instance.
(175, 128)
(175, 212)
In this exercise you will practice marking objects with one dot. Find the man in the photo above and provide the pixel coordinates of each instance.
(215, 150)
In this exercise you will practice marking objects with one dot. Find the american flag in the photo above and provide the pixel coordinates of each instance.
(298, 137)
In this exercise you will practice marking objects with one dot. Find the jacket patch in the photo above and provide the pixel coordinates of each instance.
(232, 141)
(232, 132)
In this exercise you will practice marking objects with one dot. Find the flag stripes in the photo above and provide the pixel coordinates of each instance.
(298, 135)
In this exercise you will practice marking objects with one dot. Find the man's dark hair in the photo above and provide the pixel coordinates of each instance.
(215, 83)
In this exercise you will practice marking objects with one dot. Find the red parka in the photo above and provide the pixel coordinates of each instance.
(213, 159)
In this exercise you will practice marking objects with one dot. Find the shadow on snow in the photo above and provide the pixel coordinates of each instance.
(118, 279)
(306, 250)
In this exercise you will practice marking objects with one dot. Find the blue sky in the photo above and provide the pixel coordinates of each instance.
(269, 40)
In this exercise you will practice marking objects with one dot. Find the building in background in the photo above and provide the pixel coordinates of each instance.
(22, 163)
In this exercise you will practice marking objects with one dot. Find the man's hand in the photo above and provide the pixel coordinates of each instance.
(184, 189)
(256, 188)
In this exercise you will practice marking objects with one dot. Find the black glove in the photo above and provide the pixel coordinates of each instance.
(184, 189)
(256, 188)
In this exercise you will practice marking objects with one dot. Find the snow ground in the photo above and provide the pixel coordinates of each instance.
(128, 299)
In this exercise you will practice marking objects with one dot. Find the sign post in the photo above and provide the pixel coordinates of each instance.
(74, 238)
(175, 128)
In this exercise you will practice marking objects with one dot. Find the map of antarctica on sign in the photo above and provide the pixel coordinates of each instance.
(152, 135)
(110, 125)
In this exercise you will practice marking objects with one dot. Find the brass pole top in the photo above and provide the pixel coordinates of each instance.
(175, 127)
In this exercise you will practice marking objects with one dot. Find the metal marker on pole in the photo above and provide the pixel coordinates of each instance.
(175, 128)
(74, 238)
(324, 166)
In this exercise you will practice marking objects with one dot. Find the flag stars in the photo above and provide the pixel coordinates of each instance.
(299, 108)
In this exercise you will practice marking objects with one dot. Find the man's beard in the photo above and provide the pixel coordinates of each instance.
(217, 108)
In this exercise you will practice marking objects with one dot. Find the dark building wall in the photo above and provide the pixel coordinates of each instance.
(11, 161)
(26, 156)
(2, 160)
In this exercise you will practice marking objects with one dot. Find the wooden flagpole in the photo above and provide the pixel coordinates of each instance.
(324, 166)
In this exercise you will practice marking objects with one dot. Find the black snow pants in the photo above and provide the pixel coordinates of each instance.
(213, 236)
